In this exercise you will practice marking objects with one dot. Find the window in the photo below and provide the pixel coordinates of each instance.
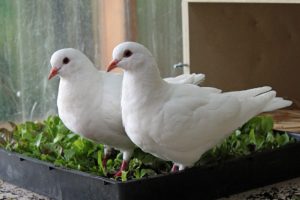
(32, 30)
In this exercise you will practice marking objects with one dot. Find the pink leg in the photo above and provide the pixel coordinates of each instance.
(123, 168)
(107, 154)
(174, 168)
(104, 161)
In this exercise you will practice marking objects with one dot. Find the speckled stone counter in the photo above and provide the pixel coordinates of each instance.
(287, 190)
(11, 192)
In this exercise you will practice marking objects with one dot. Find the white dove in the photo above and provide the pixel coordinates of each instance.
(89, 101)
(180, 122)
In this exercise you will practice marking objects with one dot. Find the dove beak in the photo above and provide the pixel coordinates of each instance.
(112, 65)
(53, 72)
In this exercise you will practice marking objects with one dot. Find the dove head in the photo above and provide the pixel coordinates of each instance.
(130, 56)
(66, 62)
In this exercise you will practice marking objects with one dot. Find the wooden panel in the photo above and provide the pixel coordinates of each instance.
(112, 25)
(116, 24)
(286, 120)
(130, 20)
(239, 46)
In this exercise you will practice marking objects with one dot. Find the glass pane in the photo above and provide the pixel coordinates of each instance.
(159, 28)
(31, 31)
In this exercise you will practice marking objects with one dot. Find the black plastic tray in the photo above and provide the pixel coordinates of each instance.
(206, 182)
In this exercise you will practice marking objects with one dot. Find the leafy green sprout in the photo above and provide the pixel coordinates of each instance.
(51, 141)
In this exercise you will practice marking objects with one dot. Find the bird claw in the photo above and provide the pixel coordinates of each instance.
(175, 168)
(104, 162)
(107, 154)
(118, 174)
(122, 168)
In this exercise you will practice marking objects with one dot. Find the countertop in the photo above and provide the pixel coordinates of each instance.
(287, 190)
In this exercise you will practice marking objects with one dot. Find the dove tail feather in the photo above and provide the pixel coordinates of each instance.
(277, 103)
(212, 89)
(264, 102)
(262, 99)
(251, 92)
(255, 105)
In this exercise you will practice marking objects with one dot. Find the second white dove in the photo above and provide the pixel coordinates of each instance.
(180, 122)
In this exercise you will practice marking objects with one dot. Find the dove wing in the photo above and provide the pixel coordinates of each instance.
(197, 110)
(195, 79)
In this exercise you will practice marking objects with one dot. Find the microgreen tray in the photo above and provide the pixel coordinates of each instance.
(203, 182)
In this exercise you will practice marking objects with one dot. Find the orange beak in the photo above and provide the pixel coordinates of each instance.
(112, 65)
(53, 72)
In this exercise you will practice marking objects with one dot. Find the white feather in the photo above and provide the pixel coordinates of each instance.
(89, 100)
(180, 122)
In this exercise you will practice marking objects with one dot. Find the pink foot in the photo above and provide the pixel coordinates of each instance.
(107, 154)
(123, 168)
(175, 168)
(104, 161)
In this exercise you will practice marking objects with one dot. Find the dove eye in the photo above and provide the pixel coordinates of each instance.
(66, 60)
(127, 53)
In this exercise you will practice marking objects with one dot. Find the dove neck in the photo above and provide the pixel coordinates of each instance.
(81, 74)
(139, 87)
(143, 79)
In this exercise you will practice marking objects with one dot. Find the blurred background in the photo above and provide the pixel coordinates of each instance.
(32, 30)
(236, 45)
